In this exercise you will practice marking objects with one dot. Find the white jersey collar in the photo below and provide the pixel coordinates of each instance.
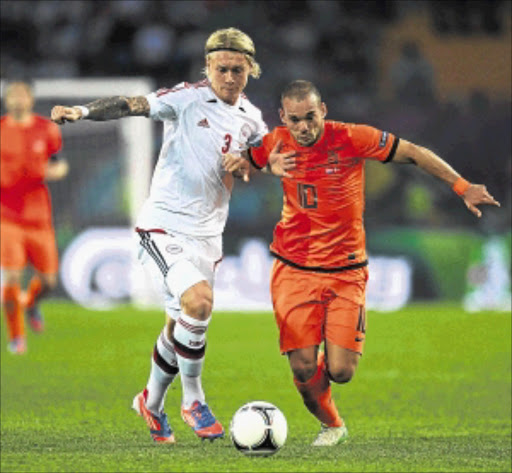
(212, 96)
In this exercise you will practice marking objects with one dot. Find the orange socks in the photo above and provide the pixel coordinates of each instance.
(13, 311)
(34, 289)
(316, 393)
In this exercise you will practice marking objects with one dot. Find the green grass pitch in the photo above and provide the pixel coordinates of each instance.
(432, 393)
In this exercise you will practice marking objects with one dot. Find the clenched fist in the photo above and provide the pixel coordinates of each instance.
(61, 114)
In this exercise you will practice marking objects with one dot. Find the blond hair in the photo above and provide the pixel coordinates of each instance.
(17, 83)
(232, 39)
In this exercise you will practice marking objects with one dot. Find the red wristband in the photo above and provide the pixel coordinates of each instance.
(460, 186)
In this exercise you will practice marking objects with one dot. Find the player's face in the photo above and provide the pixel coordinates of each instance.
(18, 99)
(228, 73)
(304, 118)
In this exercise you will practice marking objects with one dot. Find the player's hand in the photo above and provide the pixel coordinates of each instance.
(281, 163)
(477, 194)
(61, 114)
(237, 165)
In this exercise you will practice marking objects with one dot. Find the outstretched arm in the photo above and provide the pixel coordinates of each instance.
(471, 194)
(109, 108)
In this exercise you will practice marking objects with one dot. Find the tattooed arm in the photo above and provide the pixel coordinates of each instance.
(109, 108)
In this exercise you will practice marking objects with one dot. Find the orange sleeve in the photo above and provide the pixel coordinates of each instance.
(369, 142)
(54, 139)
(259, 155)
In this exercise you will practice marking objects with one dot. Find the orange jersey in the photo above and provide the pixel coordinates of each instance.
(321, 226)
(24, 153)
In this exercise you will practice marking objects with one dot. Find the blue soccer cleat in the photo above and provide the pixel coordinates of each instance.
(202, 421)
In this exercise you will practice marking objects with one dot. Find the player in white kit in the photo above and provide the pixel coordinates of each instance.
(182, 221)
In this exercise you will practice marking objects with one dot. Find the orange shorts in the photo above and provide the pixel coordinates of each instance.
(21, 244)
(310, 307)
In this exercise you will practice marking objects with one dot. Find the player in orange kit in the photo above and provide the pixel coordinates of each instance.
(320, 273)
(29, 144)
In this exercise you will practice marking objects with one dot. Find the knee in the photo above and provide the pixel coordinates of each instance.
(341, 374)
(49, 283)
(304, 370)
(198, 301)
(11, 278)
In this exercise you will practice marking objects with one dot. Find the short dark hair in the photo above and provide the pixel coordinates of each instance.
(299, 90)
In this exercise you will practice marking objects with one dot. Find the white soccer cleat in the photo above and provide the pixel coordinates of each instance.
(330, 436)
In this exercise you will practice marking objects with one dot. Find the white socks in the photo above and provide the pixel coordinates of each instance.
(189, 340)
(164, 367)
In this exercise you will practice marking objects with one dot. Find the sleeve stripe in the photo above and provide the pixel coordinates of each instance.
(392, 151)
(251, 159)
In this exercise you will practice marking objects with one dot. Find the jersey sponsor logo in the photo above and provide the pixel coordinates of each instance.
(173, 249)
(383, 139)
(203, 123)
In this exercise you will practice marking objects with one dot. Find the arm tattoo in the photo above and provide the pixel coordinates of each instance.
(112, 108)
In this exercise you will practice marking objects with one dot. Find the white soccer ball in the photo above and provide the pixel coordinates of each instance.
(258, 428)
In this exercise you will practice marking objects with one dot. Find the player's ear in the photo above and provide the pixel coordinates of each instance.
(207, 63)
(281, 115)
(323, 106)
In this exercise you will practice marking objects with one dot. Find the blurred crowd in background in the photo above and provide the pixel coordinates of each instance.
(336, 44)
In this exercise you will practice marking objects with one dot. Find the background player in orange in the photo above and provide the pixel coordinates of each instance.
(28, 149)
(319, 276)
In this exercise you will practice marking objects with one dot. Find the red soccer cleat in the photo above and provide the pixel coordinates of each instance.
(159, 427)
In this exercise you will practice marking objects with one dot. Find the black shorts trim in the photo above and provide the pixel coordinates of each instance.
(149, 245)
(319, 269)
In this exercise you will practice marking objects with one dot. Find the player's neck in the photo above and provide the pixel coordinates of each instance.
(23, 118)
(231, 101)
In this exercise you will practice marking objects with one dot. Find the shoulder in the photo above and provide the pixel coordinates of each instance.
(183, 90)
(42, 121)
(278, 133)
(353, 130)
(45, 123)
(249, 107)
(338, 128)
(50, 129)
(281, 132)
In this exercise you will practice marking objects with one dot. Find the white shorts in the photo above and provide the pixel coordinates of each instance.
(177, 262)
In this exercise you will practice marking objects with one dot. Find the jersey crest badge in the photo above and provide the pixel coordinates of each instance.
(245, 132)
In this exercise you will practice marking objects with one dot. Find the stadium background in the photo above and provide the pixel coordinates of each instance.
(435, 73)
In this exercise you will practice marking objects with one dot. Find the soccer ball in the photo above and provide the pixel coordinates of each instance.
(258, 428)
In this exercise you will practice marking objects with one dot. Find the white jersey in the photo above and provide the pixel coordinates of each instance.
(188, 194)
